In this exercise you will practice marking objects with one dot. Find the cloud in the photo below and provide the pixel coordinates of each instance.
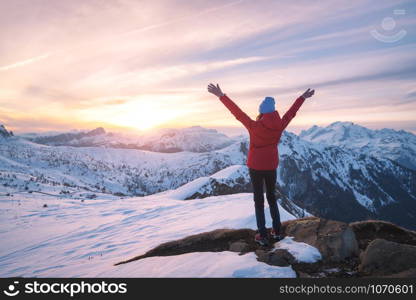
(106, 54)
(25, 62)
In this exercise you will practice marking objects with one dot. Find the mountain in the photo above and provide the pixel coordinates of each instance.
(193, 139)
(327, 181)
(399, 146)
(231, 180)
(340, 184)
(4, 133)
(30, 166)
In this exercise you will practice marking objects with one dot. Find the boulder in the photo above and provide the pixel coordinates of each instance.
(383, 257)
(367, 231)
(239, 246)
(278, 257)
(335, 240)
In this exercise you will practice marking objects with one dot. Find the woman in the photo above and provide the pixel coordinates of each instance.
(263, 159)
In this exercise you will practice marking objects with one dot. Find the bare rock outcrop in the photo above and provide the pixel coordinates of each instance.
(383, 257)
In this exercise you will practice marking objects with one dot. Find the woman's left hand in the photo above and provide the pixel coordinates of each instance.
(308, 93)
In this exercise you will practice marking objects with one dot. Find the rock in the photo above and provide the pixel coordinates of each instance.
(239, 246)
(335, 240)
(303, 275)
(212, 241)
(278, 257)
(367, 231)
(4, 133)
(411, 273)
(281, 257)
(384, 257)
(262, 255)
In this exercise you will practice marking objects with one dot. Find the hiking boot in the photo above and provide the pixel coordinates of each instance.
(262, 241)
(276, 236)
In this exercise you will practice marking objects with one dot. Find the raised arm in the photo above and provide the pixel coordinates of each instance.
(232, 107)
(291, 113)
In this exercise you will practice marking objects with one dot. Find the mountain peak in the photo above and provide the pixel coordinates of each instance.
(96, 131)
(342, 123)
(399, 146)
(4, 133)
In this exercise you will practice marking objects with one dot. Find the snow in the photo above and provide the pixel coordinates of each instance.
(384, 143)
(364, 201)
(70, 238)
(188, 189)
(129, 171)
(229, 172)
(204, 264)
(302, 252)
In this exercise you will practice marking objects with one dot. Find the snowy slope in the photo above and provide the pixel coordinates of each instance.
(97, 169)
(399, 146)
(70, 238)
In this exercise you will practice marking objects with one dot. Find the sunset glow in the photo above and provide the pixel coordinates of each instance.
(143, 65)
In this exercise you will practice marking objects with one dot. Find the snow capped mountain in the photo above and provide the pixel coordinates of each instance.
(193, 139)
(231, 180)
(327, 181)
(399, 146)
(32, 166)
(227, 181)
(330, 181)
(4, 133)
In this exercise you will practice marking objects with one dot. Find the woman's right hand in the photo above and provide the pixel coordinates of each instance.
(216, 90)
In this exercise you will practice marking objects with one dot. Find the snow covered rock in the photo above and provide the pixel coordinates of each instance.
(278, 257)
(213, 241)
(335, 240)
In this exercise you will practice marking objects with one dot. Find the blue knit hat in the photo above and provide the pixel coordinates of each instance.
(267, 106)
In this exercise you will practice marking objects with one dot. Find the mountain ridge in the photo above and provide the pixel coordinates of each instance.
(325, 180)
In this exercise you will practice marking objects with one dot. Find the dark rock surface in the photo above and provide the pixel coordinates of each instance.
(367, 231)
(383, 257)
(212, 241)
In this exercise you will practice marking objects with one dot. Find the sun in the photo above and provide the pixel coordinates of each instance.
(138, 113)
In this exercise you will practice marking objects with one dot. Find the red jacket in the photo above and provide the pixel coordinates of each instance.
(264, 133)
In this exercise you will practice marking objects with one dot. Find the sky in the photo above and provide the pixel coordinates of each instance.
(143, 65)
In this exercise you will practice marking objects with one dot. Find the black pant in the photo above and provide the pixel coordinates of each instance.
(257, 179)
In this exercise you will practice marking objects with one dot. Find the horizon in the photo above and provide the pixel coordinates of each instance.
(229, 131)
(142, 67)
